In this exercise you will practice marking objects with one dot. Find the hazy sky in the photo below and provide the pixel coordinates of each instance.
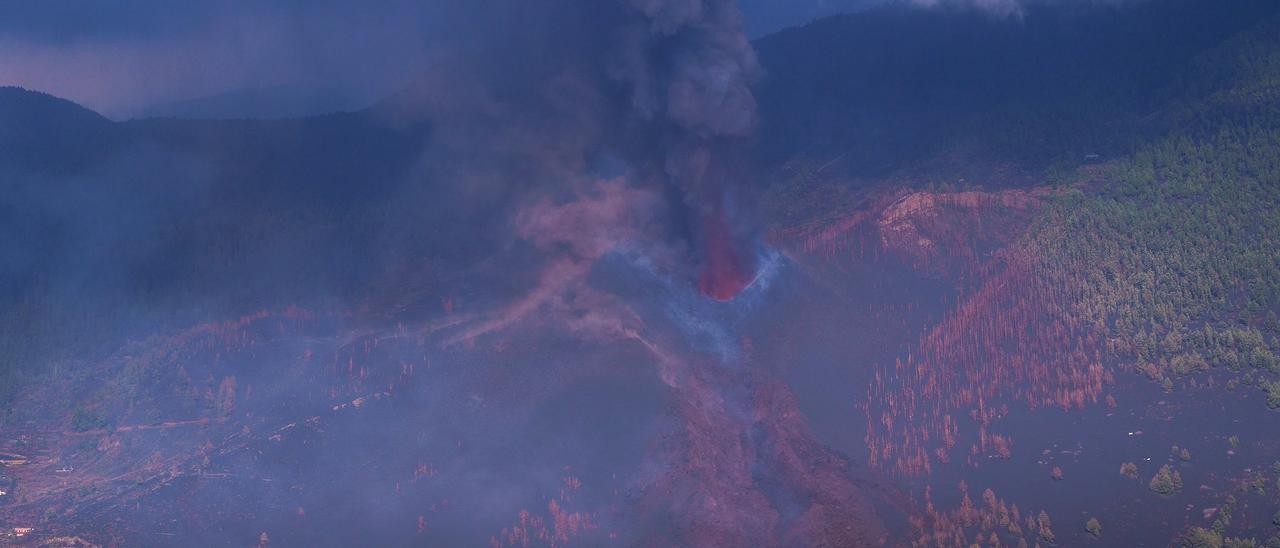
(117, 56)
(120, 57)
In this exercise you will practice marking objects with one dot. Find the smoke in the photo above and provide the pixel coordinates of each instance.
(524, 97)
(691, 61)
(689, 68)
(531, 108)
(575, 100)
(580, 131)
(694, 65)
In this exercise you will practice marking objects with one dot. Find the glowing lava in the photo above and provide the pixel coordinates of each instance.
(724, 274)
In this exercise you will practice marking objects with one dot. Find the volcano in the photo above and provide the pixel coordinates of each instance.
(616, 276)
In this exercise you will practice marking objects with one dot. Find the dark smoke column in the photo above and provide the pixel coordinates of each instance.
(690, 67)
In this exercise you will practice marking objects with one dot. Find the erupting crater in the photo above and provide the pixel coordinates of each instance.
(724, 273)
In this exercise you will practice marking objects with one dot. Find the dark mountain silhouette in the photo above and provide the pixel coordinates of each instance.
(295, 101)
(899, 86)
(42, 132)
(763, 17)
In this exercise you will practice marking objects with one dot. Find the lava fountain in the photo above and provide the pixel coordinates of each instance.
(724, 272)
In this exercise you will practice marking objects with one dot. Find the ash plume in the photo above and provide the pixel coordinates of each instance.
(692, 67)
(662, 87)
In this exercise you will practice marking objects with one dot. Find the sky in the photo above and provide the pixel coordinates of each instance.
(121, 56)
(132, 58)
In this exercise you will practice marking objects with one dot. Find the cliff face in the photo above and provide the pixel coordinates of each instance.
(936, 233)
(998, 337)
(948, 232)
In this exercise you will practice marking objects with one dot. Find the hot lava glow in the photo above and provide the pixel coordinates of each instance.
(725, 273)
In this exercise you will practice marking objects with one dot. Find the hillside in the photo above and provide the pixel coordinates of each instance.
(1157, 262)
(950, 93)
